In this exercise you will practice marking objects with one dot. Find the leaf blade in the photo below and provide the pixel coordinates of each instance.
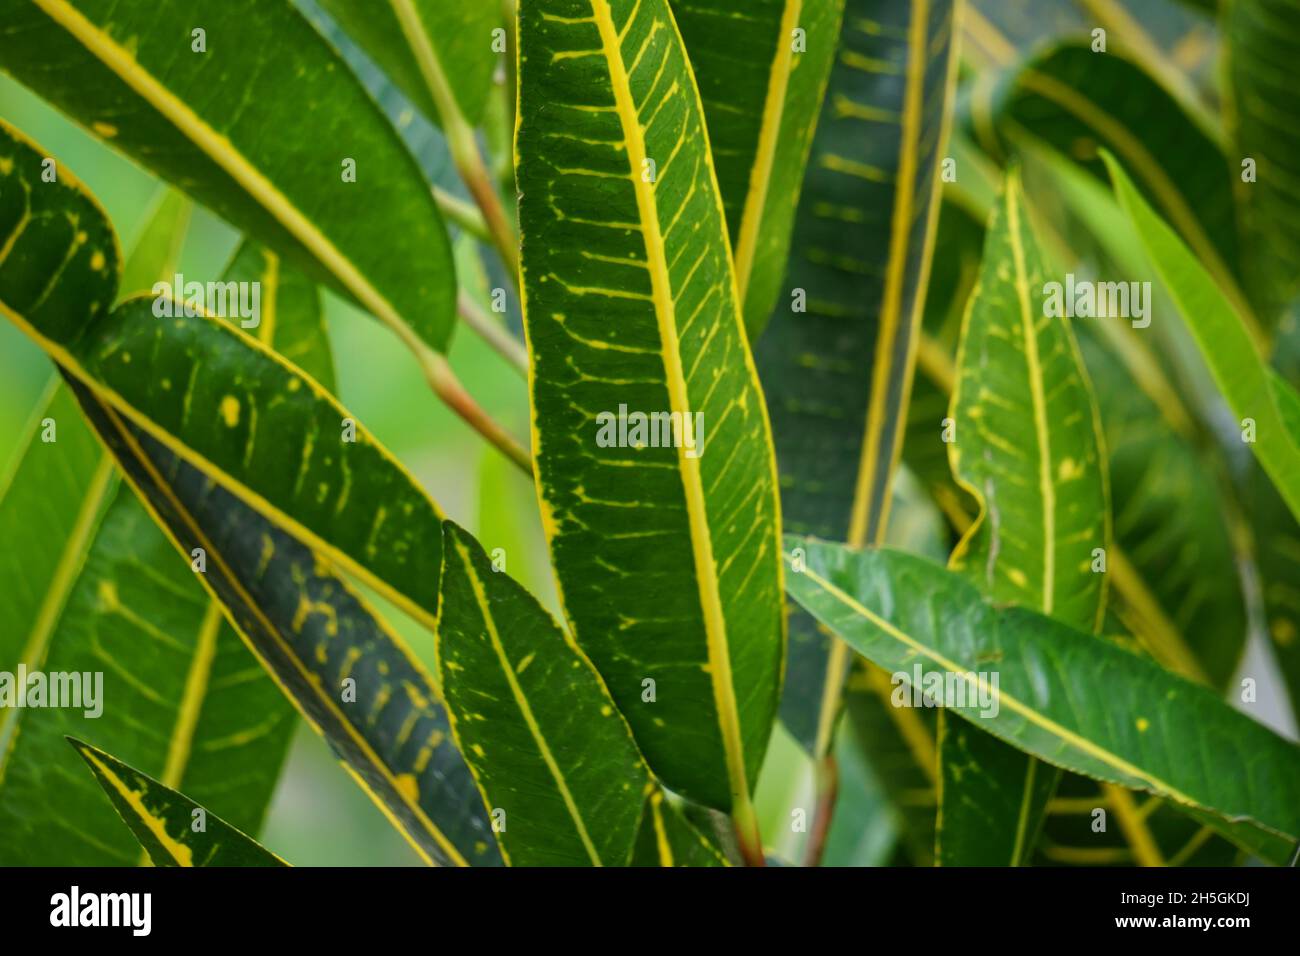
(561, 766)
(719, 581)
(837, 452)
(761, 83)
(1224, 338)
(89, 67)
(1046, 721)
(152, 810)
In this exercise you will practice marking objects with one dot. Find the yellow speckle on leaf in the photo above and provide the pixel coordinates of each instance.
(6, 166)
(1283, 631)
(230, 411)
(97, 261)
(1143, 724)
(106, 130)
(108, 595)
(1069, 470)
(407, 786)
(1017, 577)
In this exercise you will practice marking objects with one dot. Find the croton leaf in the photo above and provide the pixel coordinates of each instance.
(666, 838)
(173, 829)
(1263, 403)
(188, 88)
(631, 312)
(1064, 696)
(452, 37)
(762, 69)
(214, 395)
(221, 729)
(854, 294)
(352, 678)
(1028, 449)
(550, 752)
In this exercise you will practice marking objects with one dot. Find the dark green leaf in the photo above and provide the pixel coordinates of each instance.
(762, 70)
(458, 34)
(863, 240)
(630, 306)
(349, 675)
(173, 829)
(132, 74)
(1263, 404)
(553, 757)
(1262, 50)
(1064, 696)
(666, 838)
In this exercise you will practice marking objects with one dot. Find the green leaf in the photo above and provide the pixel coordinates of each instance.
(666, 838)
(166, 822)
(455, 40)
(901, 745)
(1028, 436)
(216, 397)
(1028, 450)
(51, 503)
(630, 304)
(1263, 43)
(132, 75)
(177, 695)
(551, 754)
(350, 676)
(863, 239)
(292, 319)
(1078, 103)
(158, 247)
(761, 85)
(1175, 582)
(214, 730)
(1249, 387)
(1064, 696)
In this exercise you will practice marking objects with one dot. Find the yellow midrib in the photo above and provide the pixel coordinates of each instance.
(760, 180)
(1022, 820)
(1046, 488)
(196, 685)
(890, 318)
(73, 556)
(661, 836)
(276, 515)
(978, 685)
(219, 562)
(182, 854)
(692, 482)
(525, 709)
(222, 152)
(270, 295)
(895, 277)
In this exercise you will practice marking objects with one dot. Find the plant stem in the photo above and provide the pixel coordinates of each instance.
(460, 137)
(745, 823)
(826, 775)
(463, 214)
(448, 387)
(501, 341)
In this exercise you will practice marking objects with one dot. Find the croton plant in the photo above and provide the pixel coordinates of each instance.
(912, 421)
